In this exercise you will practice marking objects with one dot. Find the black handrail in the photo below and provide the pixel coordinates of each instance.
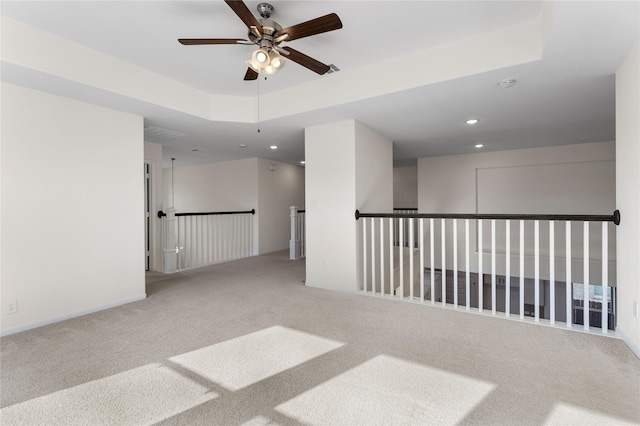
(615, 217)
(301, 211)
(252, 211)
(406, 208)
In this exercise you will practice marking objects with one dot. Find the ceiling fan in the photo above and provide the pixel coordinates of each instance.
(268, 34)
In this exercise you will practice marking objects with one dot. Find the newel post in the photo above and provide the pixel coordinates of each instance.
(170, 246)
(293, 242)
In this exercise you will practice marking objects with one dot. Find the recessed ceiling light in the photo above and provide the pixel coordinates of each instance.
(243, 145)
(505, 84)
(479, 145)
(274, 147)
(473, 121)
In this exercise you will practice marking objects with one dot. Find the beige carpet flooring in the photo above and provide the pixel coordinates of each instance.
(247, 343)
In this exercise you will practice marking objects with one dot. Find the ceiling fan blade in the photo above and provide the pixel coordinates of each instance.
(319, 25)
(251, 74)
(306, 61)
(244, 13)
(195, 41)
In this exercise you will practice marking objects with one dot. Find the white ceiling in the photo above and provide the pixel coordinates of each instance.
(565, 97)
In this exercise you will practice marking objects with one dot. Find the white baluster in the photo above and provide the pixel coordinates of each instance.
(455, 263)
(443, 275)
(467, 295)
(433, 262)
(585, 263)
(421, 243)
(391, 253)
(480, 277)
(536, 273)
(569, 284)
(401, 257)
(552, 273)
(382, 274)
(373, 255)
(507, 279)
(493, 266)
(293, 217)
(411, 251)
(364, 254)
(605, 278)
(522, 269)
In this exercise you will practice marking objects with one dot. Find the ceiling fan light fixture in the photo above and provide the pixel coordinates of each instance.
(275, 62)
(260, 58)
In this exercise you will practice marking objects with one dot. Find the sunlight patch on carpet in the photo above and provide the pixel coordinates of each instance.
(260, 421)
(389, 390)
(248, 359)
(142, 396)
(569, 414)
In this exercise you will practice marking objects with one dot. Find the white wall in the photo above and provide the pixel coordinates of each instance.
(227, 185)
(72, 208)
(277, 190)
(336, 185)
(374, 171)
(461, 183)
(628, 196)
(405, 187)
(153, 155)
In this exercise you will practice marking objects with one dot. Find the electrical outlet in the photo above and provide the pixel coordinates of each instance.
(11, 307)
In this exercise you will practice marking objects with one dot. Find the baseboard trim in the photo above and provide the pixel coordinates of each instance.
(76, 314)
(629, 343)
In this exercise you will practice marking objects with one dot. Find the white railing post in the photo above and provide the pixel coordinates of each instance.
(443, 258)
(521, 305)
(170, 247)
(480, 277)
(400, 257)
(392, 279)
(605, 278)
(411, 265)
(536, 272)
(432, 261)
(293, 242)
(421, 244)
(585, 275)
(455, 263)
(382, 274)
(552, 273)
(467, 296)
(493, 266)
(507, 278)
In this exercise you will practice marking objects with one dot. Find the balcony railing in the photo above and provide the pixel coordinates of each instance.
(539, 266)
(205, 238)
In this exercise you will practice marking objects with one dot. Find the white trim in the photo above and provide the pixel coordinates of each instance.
(71, 315)
(629, 342)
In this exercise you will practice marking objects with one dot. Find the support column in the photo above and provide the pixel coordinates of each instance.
(348, 167)
(628, 198)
